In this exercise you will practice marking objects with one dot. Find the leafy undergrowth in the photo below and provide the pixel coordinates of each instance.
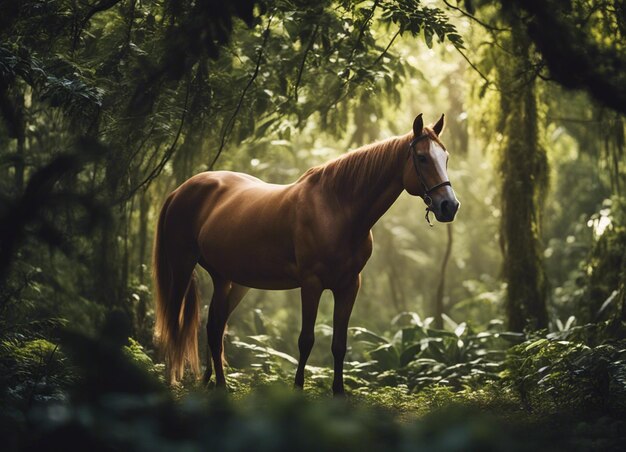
(559, 391)
(274, 417)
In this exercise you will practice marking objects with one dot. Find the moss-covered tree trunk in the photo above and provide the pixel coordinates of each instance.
(523, 168)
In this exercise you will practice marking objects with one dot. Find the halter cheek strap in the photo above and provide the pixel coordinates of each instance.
(427, 191)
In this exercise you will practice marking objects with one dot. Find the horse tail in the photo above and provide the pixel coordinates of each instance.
(186, 349)
(177, 309)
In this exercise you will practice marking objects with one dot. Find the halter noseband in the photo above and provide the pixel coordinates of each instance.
(427, 191)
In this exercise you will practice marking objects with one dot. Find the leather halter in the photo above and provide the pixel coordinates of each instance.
(427, 191)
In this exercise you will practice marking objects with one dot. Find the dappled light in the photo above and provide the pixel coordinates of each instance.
(312, 225)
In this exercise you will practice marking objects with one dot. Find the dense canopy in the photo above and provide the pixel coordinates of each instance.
(513, 315)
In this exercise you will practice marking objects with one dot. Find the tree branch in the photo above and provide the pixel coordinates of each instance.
(474, 18)
(168, 154)
(342, 94)
(362, 31)
(473, 66)
(231, 122)
(102, 5)
(301, 69)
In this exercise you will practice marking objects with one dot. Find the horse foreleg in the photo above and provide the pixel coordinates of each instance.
(310, 295)
(344, 301)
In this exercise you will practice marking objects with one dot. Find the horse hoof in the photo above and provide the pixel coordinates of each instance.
(221, 387)
(339, 393)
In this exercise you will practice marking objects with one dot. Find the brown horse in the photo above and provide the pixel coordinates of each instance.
(314, 234)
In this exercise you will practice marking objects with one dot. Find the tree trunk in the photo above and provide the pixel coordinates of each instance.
(438, 302)
(523, 168)
(12, 111)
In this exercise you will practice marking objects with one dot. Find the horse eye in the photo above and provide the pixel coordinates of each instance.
(422, 158)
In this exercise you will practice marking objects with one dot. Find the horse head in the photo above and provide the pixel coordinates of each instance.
(426, 171)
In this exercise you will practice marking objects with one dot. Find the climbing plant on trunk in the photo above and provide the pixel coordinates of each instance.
(523, 170)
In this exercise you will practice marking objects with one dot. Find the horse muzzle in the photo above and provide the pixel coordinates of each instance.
(446, 209)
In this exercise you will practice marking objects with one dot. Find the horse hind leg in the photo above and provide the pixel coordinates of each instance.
(236, 294)
(226, 297)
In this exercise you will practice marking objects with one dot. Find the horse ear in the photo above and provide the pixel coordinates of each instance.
(418, 125)
(438, 128)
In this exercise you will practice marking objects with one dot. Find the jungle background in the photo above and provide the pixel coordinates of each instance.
(501, 331)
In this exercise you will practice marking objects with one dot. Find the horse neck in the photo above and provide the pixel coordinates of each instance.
(372, 180)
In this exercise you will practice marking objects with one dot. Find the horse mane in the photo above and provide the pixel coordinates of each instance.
(363, 168)
(360, 169)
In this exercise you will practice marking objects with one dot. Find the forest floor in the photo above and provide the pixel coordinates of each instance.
(437, 418)
(260, 412)
(112, 398)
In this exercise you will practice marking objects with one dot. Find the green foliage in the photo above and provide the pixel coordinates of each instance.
(485, 300)
(413, 356)
(107, 106)
(32, 371)
(418, 356)
(271, 420)
(275, 418)
(606, 266)
(569, 371)
(414, 19)
(137, 354)
(557, 375)
(141, 95)
(574, 41)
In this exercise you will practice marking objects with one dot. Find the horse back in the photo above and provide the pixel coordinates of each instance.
(242, 227)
